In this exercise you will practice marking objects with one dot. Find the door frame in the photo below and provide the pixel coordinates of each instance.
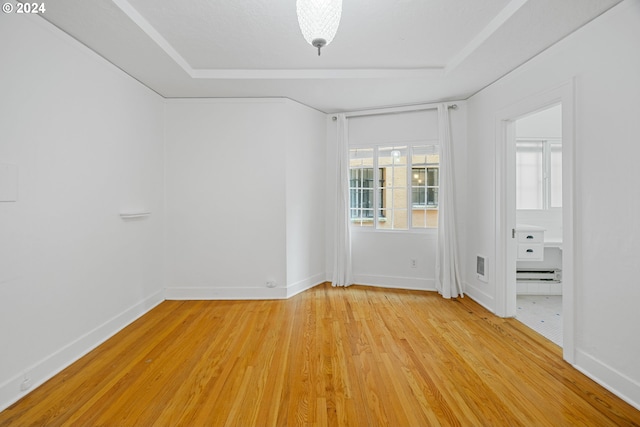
(505, 214)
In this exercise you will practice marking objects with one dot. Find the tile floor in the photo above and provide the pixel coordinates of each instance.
(543, 314)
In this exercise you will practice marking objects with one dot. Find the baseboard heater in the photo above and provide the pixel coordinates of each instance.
(542, 275)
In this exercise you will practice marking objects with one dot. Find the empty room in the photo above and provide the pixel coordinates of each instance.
(320, 212)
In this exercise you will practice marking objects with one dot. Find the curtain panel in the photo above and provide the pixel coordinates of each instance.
(342, 271)
(448, 281)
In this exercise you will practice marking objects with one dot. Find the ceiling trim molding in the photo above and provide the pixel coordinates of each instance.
(269, 74)
(153, 34)
(493, 26)
(360, 73)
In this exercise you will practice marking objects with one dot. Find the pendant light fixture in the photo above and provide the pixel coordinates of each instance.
(319, 20)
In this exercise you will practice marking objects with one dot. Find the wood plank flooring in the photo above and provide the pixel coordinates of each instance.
(358, 356)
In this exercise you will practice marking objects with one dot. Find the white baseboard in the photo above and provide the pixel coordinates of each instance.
(479, 296)
(243, 293)
(303, 285)
(411, 283)
(53, 364)
(224, 293)
(625, 388)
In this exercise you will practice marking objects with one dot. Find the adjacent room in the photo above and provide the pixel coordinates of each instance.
(319, 212)
(538, 189)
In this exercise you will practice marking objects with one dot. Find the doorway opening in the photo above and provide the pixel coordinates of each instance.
(508, 233)
(538, 195)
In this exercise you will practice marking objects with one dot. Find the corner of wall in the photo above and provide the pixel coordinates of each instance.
(306, 284)
(479, 296)
(45, 369)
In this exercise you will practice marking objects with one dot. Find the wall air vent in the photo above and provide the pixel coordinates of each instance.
(481, 268)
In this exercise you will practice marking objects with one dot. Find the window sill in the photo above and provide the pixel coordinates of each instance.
(413, 231)
(367, 220)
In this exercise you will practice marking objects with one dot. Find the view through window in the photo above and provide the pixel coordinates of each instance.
(394, 187)
(538, 174)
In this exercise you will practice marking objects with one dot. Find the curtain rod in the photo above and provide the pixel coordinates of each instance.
(407, 110)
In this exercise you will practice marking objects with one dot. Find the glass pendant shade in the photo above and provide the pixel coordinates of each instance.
(319, 20)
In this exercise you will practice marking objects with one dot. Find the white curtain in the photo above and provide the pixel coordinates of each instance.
(447, 271)
(342, 274)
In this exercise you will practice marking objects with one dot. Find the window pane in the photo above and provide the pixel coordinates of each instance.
(399, 177)
(418, 177)
(382, 177)
(395, 198)
(418, 187)
(386, 218)
(367, 177)
(419, 218)
(529, 175)
(425, 181)
(361, 157)
(556, 175)
(395, 209)
(432, 197)
(424, 155)
(360, 199)
(418, 196)
(400, 198)
(389, 175)
(395, 219)
(432, 218)
(433, 177)
(361, 218)
(388, 156)
(387, 198)
(393, 189)
(361, 186)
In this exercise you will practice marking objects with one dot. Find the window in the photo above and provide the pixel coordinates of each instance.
(361, 194)
(425, 182)
(538, 174)
(394, 187)
(424, 187)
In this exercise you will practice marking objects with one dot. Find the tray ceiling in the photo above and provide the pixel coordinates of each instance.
(386, 52)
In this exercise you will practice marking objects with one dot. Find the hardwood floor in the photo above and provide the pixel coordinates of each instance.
(359, 356)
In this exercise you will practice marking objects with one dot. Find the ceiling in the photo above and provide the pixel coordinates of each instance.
(386, 52)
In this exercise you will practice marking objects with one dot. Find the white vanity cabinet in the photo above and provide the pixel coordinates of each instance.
(530, 243)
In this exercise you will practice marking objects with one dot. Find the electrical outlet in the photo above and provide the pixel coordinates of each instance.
(271, 284)
(26, 384)
(414, 263)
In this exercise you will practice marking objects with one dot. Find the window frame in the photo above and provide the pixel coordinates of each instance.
(377, 193)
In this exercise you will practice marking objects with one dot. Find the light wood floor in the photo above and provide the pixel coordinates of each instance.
(359, 356)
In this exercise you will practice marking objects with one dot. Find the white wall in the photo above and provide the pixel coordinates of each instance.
(236, 174)
(383, 258)
(603, 58)
(87, 142)
(305, 203)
